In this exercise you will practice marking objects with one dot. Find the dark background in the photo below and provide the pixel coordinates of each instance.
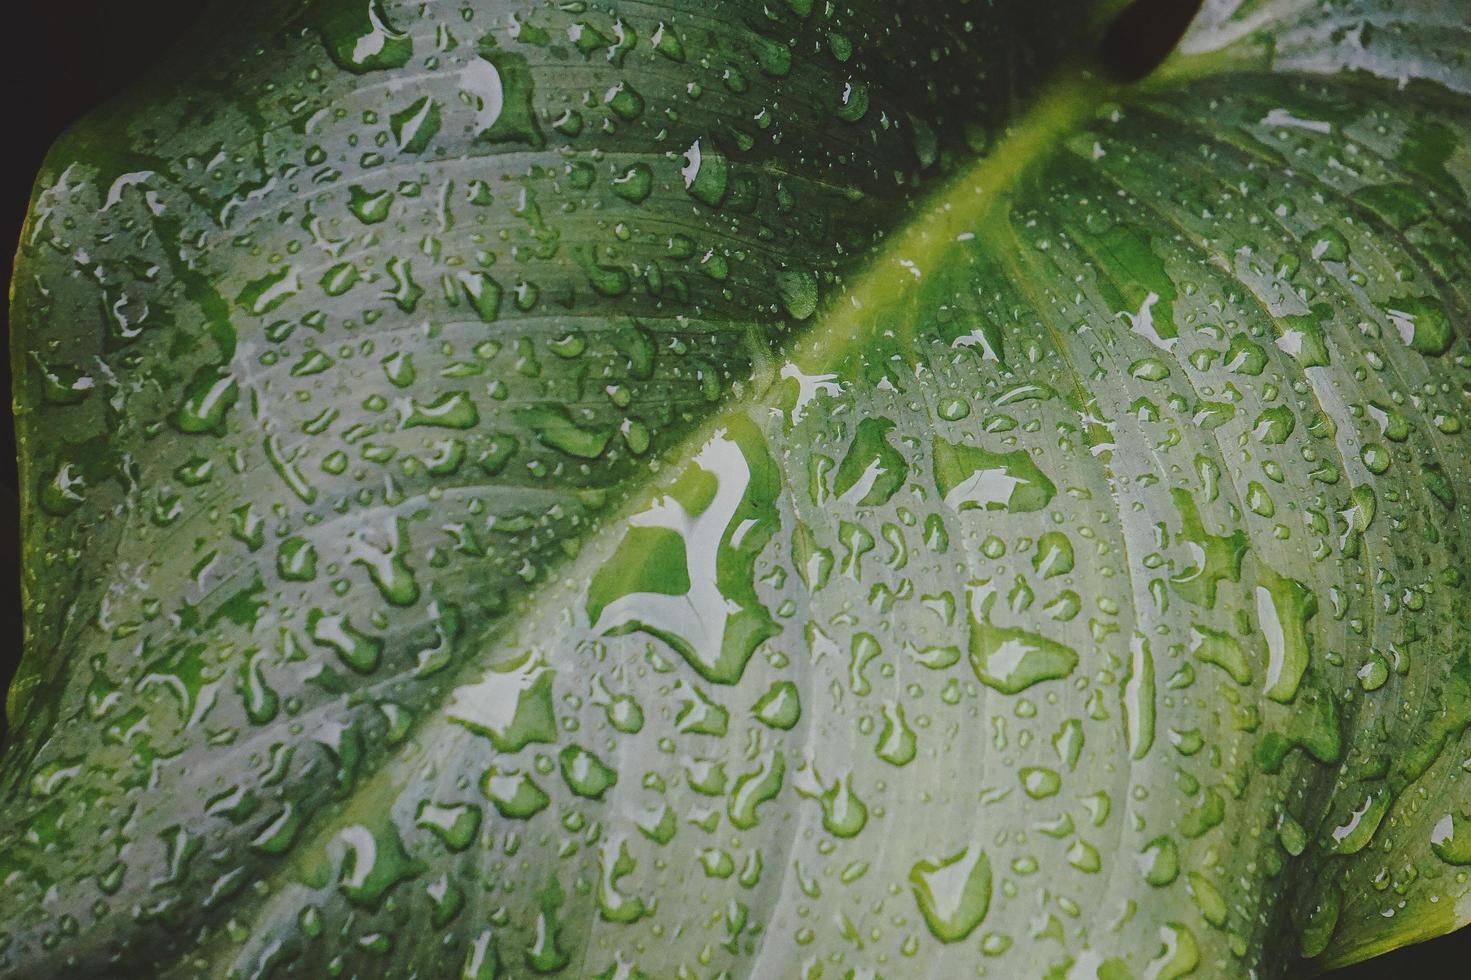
(67, 57)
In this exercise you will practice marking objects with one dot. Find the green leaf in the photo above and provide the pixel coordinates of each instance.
(508, 488)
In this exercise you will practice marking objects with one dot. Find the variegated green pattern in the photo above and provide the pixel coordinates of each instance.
(748, 489)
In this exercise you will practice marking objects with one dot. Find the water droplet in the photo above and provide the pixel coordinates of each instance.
(1054, 555)
(798, 291)
(1040, 782)
(635, 184)
(207, 398)
(585, 774)
(953, 893)
(454, 824)
(358, 650)
(484, 294)
(754, 788)
(968, 477)
(1138, 698)
(1008, 659)
(415, 125)
(452, 410)
(372, 862)
(359, 37)
(498, 87)
(624, 101)
(779, 707)
(684, 571)
(1284, 606)
(706, 172)
(1159, 862)
(897, 742)
(515, 794)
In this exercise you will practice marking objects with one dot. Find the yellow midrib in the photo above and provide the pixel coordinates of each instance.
(974, 203)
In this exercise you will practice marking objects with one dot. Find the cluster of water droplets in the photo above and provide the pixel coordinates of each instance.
(445, 571)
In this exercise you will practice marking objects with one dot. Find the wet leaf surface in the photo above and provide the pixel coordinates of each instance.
(750, 490)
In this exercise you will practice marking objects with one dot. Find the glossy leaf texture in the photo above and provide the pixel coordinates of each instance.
(749, 490)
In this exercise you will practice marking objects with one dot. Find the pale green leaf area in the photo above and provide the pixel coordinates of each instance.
(748, 489)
